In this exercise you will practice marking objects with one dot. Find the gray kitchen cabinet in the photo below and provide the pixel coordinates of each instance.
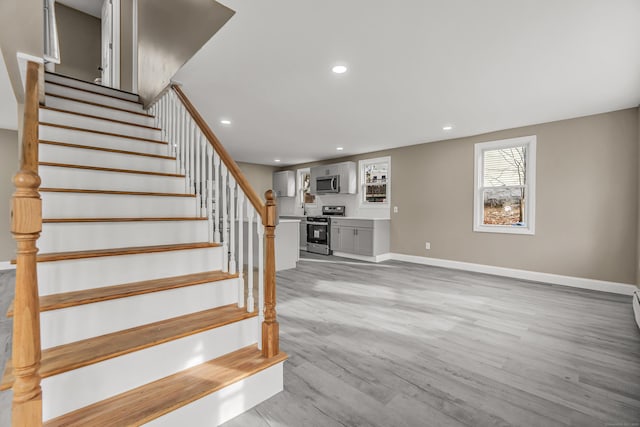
(284, 183)
(366, 237)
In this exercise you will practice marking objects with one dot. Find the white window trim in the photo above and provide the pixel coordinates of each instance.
(361, 165)
(299, 173)
(478, 202)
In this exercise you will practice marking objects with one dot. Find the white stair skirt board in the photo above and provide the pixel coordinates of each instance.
(106, 159)
(96, 110)
(86, 205)
(534, 276)
(78, 274)
(80, 322)
(84, 137)
(102, 125)
(81, 387)
(52, 133)
(223, 405)
(84, 236)
(636, 306)
(93, 97)
(104, 90)
(61, 177)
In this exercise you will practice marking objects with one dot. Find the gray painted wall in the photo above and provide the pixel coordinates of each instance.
(259, 176)
(169, 34)
(8, 167)
(586, 203)
(20, 31)
(79, 36)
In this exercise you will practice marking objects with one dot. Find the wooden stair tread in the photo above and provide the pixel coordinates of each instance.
(100, 168)
(90, 116)
(66, 220)
(87, 296)
(67, 357)
(110, 150)
(94, 92)
(117, 135)
(64, 76)
(69, 98)
(59, 256)
(150, 401)
(127, 193)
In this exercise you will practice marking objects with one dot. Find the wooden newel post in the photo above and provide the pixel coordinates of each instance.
(26, 224)
(270, 328)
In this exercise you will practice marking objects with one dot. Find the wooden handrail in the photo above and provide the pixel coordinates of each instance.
(228, 161)
(26, 225)
(268, 213)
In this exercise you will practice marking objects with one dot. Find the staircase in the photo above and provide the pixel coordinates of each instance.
(141, 319)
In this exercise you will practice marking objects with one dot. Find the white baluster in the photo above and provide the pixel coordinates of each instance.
(225, 219)
(187, 148)
(210, 191)
(260, 231)
(240, 248)
(195, 183)
(250, 300)
(192, 150)
(216, 195)
(232, 224)
(172, 128)
(203, 172)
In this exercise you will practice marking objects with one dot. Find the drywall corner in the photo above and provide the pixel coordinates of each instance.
(9, 162)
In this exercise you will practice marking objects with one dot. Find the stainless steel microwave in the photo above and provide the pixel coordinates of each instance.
(328, 184)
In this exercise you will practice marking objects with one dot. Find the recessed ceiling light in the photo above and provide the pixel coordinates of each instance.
(339, 148)
(276, 160)
(339, 69)
(448, 127)
(225, 122)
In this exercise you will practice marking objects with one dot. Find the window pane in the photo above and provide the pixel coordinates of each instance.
(376, 182)
(505, 166)
(504, 206)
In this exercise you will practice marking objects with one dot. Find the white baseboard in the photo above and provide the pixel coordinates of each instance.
(556, 279)
(6, 265)
(377, 258)
(636, 306)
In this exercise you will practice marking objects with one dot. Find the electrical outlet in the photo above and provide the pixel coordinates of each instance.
(427, 245)
(395, 209)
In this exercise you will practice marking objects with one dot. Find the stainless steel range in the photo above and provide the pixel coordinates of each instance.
(319, 227)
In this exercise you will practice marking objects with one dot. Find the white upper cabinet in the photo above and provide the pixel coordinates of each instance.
(284, 183)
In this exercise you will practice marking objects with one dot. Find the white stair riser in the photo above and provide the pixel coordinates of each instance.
(106, 159)
(70, 119)
(223, 405)
(61, 177)
(91, 320)
(93, 97)
(82, 236)
(88, 273)
(79, 205)
(105, 90)
(52, 133)
(81, 387)
(96, 110)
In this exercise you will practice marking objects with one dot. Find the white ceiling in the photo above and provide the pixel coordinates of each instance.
(414, 67)
(90, 7)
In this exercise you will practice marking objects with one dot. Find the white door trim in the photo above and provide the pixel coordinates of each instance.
(134, 48)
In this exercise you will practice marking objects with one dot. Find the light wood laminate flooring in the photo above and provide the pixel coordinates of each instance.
(399, 344)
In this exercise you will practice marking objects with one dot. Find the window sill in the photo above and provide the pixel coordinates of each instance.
(504, 229)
